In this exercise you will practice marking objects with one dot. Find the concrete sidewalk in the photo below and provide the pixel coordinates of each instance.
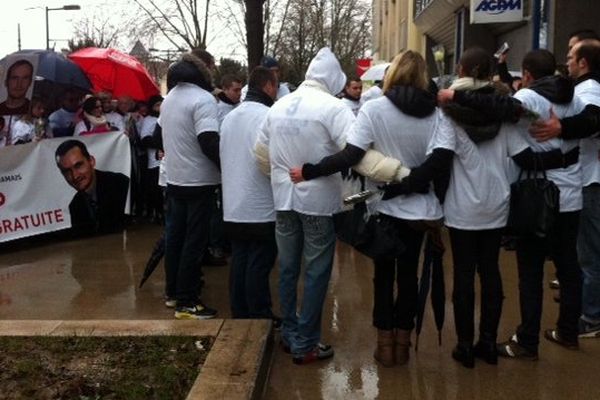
(97, 278)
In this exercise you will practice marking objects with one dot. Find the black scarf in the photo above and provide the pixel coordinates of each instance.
(223, 97)
(259, 96)
(590, 75)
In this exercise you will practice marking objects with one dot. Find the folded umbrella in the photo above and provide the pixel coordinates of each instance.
(118, 73)
(157, 254)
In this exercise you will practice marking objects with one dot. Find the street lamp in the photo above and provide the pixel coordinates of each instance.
(65, 7)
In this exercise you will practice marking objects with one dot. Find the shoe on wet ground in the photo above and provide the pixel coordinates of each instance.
(199, 311)
(464, 355)
(487, 351)
(554, 284)
(512, 349)
(170, 302)
(320, 352)
(588, 330)
(554, 336)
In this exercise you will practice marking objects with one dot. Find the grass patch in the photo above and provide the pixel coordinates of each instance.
(94, 368)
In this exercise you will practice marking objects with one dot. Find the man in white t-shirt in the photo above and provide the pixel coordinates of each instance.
(583, 63)
(306, 126)
(351, 93)
(189, 122)
(229, 97)
(248, 209)
(545, 91)
(62, 121)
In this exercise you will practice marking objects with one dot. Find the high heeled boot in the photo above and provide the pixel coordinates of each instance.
(384, 352)
(402, 346)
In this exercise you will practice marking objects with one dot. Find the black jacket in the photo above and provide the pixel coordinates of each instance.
(108, 214)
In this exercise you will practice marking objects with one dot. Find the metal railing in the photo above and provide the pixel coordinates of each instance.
(421, 5)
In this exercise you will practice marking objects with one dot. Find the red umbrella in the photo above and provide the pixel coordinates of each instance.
(113, 71)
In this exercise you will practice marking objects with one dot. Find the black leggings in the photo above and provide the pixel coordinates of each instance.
(390, 313)
(476, 251)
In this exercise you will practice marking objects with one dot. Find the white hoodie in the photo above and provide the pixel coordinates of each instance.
(303, 127)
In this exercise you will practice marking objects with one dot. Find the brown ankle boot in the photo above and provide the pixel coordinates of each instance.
(402, 346)
(384, 353)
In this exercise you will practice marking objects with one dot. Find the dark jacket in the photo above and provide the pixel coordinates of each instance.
(108, 214)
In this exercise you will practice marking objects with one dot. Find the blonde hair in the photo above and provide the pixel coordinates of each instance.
(408, 69)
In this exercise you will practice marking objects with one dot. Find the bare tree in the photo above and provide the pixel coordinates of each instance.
(99, 29)
(178, 20)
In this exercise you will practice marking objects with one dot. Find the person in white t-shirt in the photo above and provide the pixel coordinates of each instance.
(229, 97)
(400, 125)
(189, 122)
(248, 208)
(477, 203)
(351, 94)
(544, 94)
(152, 191)
(306, 125)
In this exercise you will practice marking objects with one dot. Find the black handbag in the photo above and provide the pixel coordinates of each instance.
(534, 205)
(373, 235)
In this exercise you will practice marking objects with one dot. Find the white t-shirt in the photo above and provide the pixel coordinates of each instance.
(147, 129)
(224, 109)
(382, 126)
(304, 127)
(116, 120)
(353, 105)
(186, 112)
(569, 180)
(372, 93)
(247, 193)
(479, 191)
(588, 92)
(22, 131)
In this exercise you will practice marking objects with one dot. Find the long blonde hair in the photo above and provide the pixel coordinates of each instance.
(408, 68)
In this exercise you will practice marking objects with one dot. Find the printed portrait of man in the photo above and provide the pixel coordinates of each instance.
(17, 81)
(99, 204)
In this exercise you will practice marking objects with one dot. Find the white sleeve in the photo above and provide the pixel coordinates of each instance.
(21, 131)
(147, 128)
(515, 143)
(444, 135)
(79, 128)
(340, 124)
(361, 132)
(206, 117)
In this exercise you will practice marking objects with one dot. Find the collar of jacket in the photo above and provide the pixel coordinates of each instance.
(259, 96)
(223, 97)
(590, 75)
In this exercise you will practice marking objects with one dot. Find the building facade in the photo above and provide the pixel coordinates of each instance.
(422, 24)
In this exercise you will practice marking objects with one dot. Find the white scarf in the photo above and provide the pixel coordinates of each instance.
(95, 121)
(468, 83)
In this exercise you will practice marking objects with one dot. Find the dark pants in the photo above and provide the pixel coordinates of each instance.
(249, 290)
(186, 241)
(476, 251)
(561, 245)
(153, 194)
(390, 313)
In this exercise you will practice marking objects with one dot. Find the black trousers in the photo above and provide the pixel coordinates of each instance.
(476, 251)
(398, 311)
(561, 245)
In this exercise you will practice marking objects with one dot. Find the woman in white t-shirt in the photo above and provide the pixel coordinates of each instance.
(399, 124)
(477, 203)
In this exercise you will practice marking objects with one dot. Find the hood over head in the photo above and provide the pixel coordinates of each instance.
(326, 70)
(190, 69)
(413, 101)
(555, 88)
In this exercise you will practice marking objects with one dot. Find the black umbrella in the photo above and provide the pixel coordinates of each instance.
(432, 276)
(157, 254)
(55, 67)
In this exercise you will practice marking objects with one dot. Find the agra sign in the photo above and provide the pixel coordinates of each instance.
(492, 11)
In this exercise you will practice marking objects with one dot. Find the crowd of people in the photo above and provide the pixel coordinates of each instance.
(255, 170)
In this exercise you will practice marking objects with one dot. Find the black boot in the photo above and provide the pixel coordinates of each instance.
(464, 355)
(487, 351)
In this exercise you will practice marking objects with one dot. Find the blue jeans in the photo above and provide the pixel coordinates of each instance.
(186, 236)
(588, 248)
(311, 238)
(251, 264)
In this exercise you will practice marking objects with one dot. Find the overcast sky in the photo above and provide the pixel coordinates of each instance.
(31, 16)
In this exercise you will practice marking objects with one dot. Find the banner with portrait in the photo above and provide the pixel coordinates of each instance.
(36, 196)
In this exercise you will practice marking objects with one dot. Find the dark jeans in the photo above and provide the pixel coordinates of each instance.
(390, 313)
(217, 239)
(153, 194)
(476, 251)
(249, 290)
(531, 252)
(186, 241)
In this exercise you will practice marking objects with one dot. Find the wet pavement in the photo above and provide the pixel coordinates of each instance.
(97, 278)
